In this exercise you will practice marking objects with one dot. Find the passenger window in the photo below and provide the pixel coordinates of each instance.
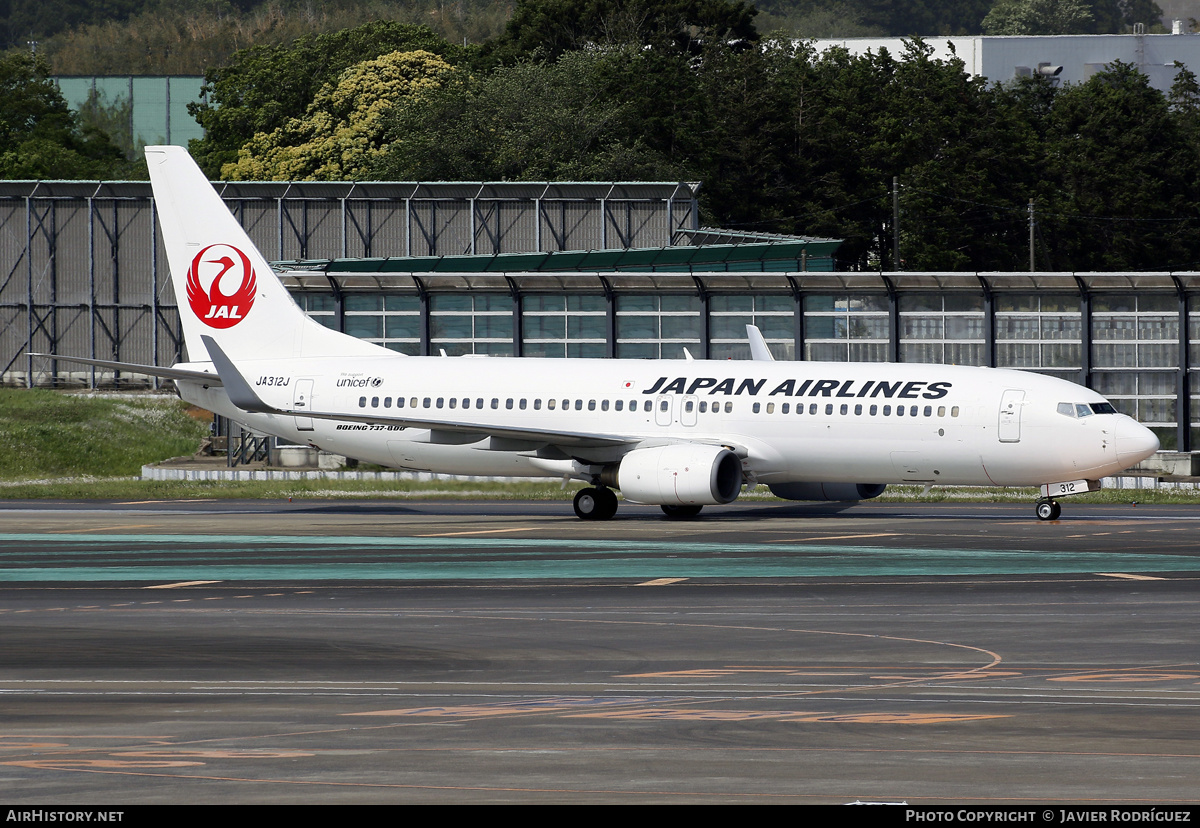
(374, 402)
(362, 402)
(770, 408)
(619, 405)
(495, 402)
(550, 404)
(812, 409)
(874, 410)
(521, 404)
(508, 403)
(453, 403)
(929, 411)
(387, 402)
(466, 402)
(537, 405)
(604, 405)
(785, 408)
(899, 411)
(858, 409)
(912, 411)
(441, 401)
(689, 406)
(591, 405)
(399, 402)
(845, 408)
(428, 402)
(412, 403)
(829, 408)
(941, 411)
(579, 405)
(728, 408)
(755, 408)
(954, 411)
(479, 402)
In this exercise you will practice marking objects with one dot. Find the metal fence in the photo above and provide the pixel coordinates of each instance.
(82, 270)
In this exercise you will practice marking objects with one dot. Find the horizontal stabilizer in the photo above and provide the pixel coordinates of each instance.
(135, 368)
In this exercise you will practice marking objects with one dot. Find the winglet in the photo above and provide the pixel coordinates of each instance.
(759, 351)
(239, 391)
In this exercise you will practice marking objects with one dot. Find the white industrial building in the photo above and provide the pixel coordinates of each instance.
(1000, 59)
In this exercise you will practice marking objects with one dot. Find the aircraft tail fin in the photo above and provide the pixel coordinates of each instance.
(223, 285)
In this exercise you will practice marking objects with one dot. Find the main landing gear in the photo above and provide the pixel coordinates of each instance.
(1048, 509)
(595, 503)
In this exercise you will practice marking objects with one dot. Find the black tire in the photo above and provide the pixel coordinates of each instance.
(595, 503)
(1048, 510)
(608, 503)
(681, 512)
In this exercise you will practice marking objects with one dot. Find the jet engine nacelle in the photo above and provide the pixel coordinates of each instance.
(827, 491)
(680, 475)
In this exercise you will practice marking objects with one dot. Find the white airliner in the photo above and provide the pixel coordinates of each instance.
(677, 433)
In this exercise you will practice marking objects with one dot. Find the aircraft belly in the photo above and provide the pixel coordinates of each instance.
(854, 459)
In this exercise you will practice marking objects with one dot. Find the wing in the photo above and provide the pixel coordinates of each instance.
(244, 397)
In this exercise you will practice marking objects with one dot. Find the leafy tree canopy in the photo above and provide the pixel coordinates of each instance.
(1038, 17)
(39, 136)
(551, 27)
(262, 88)
(532, 121)
(340, 136)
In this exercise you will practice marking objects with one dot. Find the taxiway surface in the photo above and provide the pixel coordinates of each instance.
(253, 651)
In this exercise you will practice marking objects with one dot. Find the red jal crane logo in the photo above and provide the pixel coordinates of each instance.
(221, 266)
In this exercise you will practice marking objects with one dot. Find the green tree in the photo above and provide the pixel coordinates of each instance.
(1124, 176)
(263, 87)
(342, 133)
(113, 118)
(40, 137)
(552, 27)
(1038, 17)
(809, 144)
(531, 121)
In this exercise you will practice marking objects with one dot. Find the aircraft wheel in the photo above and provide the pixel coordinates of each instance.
(1048, 510)
(681, 512)
(595, 504)
(608, 503)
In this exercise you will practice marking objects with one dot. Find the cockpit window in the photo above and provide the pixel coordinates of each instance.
(1085, 409)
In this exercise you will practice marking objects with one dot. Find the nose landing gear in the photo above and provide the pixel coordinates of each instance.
(1048, 509)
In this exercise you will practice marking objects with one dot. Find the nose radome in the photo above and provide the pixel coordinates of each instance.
(1134, 442)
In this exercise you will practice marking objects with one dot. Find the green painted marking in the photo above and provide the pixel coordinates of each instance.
(280, 557)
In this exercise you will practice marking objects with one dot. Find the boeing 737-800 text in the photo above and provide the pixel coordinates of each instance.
(677, 433)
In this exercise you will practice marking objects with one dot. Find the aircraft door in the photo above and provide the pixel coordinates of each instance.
(662, 409)
(687, 411)
(302, 401)
(1011, 403)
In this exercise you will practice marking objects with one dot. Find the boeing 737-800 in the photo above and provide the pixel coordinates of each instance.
(676, 433)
